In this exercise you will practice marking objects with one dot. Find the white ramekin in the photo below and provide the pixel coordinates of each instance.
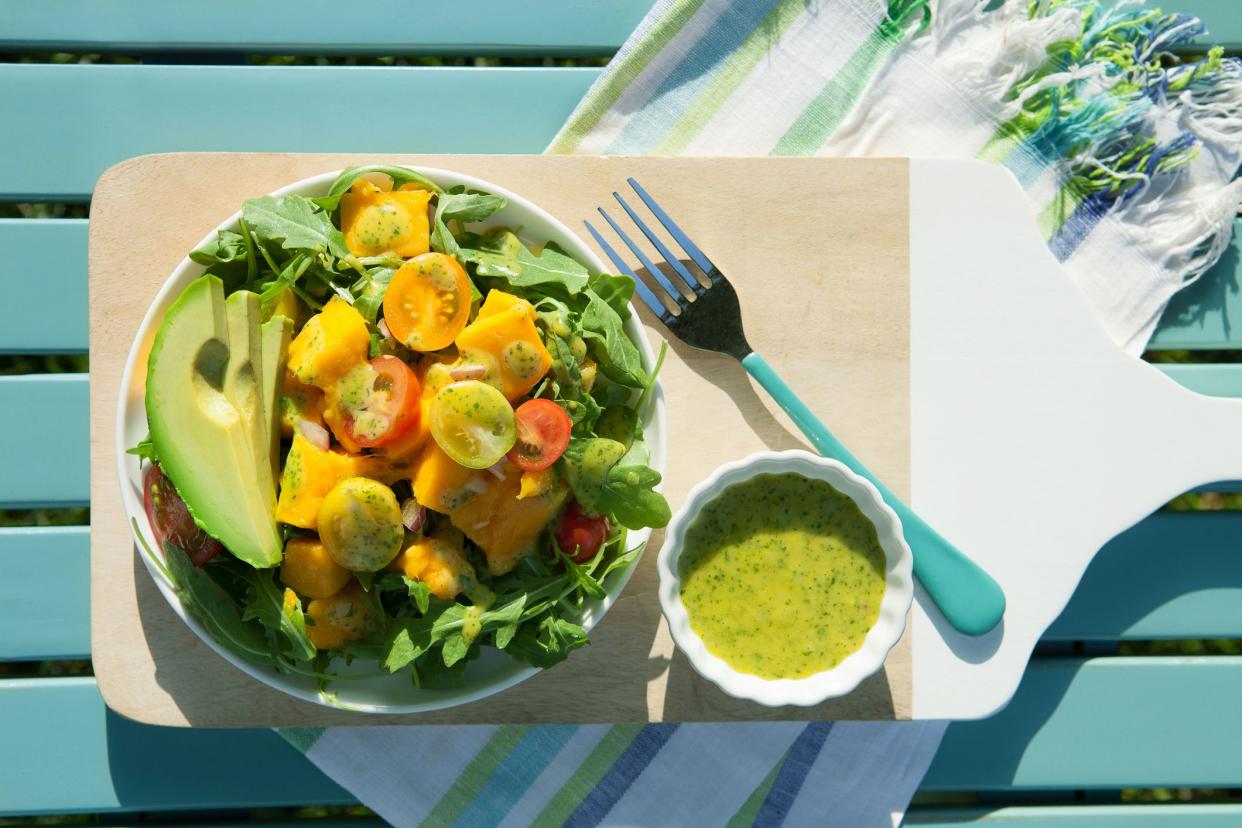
(888, 628)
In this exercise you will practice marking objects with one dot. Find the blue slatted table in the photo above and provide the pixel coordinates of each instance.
(1085, 720)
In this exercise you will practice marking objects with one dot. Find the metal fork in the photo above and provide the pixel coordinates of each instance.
(710, 318)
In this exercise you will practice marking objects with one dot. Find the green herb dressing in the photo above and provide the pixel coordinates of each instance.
(782, 576)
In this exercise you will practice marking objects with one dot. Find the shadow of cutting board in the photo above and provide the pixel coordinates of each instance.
(911, 304)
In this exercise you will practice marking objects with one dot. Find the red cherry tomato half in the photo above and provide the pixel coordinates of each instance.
(171, 520)
(542, 434)
(580, 535)
(393, 407)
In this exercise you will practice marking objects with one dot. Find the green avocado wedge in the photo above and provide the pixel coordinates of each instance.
(211, 412)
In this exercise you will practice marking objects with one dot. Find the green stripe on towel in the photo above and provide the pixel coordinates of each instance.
(475, 775)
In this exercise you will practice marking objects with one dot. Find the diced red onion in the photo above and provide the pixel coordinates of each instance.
(385, 332)
(413, 515)
(468, 372)
(315, 434)
(497, 469)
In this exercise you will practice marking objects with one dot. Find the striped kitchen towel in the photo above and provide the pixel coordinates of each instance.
(1129, 161)
(1129, 157)
(846, 774)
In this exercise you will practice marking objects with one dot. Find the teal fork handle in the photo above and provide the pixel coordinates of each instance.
(967, 596)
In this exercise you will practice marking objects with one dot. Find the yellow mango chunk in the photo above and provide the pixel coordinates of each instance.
(441, 483)
(504, 340)
(299, 402)
(310, 473)
(504, 526)
(329, 344)
(376, 222)
(309, 569)
(439, 562)
(535, 483)
(399, 460)
(338, 618)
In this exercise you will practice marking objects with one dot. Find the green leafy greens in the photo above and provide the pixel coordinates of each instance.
(293, 243)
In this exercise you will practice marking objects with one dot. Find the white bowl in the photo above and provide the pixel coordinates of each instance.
(888, 628)
(493, 671)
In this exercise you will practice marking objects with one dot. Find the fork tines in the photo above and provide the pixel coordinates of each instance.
(680, 292)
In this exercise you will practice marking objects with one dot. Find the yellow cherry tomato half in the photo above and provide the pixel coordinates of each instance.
(427, 302)
(360, 524)
(473, 423)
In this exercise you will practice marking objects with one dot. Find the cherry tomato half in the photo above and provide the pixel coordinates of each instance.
(580, 535)
(171, 520)
(473, 423)
(542, 434)
(391, 408)
(427, 302)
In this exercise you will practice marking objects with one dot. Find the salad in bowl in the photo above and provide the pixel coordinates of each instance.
(402, 439)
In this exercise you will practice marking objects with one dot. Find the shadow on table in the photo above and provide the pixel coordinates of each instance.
(153, 768)
(690, 697)
(1207, 297)
(728, 375)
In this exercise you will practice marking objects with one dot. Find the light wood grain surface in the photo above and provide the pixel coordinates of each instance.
(818, 250)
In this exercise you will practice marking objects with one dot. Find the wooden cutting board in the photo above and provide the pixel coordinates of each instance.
(910, 303)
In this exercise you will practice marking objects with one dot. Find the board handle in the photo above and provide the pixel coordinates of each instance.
(967, 596)
(1211, 448)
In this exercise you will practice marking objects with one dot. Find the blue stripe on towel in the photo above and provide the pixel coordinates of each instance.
(802, 754)
(621, 776)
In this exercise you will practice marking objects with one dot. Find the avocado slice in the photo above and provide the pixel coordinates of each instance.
(276, 334)
(207, 408)
(243, 378)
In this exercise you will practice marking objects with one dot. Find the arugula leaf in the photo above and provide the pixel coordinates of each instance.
(547, 643)
(409, 638)
(551, 266)
(443, 240)
(603, 486)
(288, 277)
(581, 574)
(433, 674)
(505, 620)
(399, 176)
(212, 607)
(459, 205)
(297, 222)
(368, 292)
(623, 560)
(419, 592)
(265, 602)
(455, 648)
(500, 254)
(616, 290)
(225, 248)
(145, 450)
(616, 353)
